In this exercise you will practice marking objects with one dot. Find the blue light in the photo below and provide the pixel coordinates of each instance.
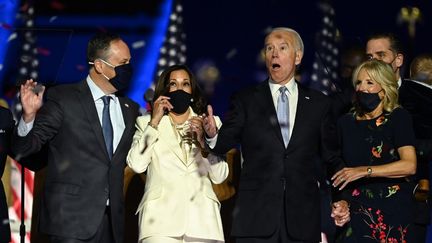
(7, 18)
(143, 76)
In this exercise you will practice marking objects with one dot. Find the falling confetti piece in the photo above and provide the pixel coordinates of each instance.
(80, 67)
(138, 44)
(231, 53)
(1, 67)
(24, 7)
(12, 37)
(57, 5)
(6, 26)
(52, 19)
(43, 51)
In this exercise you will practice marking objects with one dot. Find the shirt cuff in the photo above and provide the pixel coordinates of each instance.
(211, 142)
(24, 128)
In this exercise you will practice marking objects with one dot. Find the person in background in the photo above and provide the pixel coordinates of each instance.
(282, 128)
(179, 204)
(388, 48)
(6, 127)
(88, 130)
(377, 142)
(342, 100)
(415, 95)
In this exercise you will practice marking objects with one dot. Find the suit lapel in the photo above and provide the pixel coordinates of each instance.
(264, 97)
(129, 120)
(89, 107)
(302, 103)
(169, 137)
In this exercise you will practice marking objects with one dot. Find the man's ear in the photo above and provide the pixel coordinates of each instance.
(97, 65)
(399, 60)
(298, 57)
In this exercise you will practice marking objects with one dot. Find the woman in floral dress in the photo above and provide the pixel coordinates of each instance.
(377, 141)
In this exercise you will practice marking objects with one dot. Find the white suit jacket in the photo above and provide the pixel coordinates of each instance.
(177, 201)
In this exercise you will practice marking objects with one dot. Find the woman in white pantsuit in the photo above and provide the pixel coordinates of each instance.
(179, 204)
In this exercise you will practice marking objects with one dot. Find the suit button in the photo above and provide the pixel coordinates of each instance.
(286, 156)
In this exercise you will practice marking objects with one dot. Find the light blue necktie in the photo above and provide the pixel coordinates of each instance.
(283, 114)
(107, 126)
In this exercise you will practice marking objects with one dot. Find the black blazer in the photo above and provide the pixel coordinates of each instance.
(270, 171)
(417, 99)
(6, 127)
(80, 177)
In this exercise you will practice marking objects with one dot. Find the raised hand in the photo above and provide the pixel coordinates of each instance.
(30, 99)
(210, 127)
(160, 105)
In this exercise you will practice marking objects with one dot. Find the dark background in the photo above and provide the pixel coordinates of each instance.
(226, 35)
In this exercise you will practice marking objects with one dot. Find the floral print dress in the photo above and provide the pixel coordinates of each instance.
(381, 208)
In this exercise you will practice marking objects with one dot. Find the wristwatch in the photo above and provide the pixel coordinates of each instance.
(369, 172)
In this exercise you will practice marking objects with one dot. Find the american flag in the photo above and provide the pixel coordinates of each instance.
(27, 68)
(326, 61)
(173, 49)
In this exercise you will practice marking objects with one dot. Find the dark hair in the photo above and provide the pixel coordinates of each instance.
(395, 43)
(99, 45)
(199, 104)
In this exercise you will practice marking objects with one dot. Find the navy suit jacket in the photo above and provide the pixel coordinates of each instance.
(273, 176)
(80, 177)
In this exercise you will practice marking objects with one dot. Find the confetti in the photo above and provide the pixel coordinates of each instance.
(52, 19)
(1, 67)
(57, 5)
(6, 26)
(138, 44)
(12, 37)
(43, 51)
(80, 67)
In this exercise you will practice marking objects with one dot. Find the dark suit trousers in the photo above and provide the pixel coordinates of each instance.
(104, 234)
(280, 235)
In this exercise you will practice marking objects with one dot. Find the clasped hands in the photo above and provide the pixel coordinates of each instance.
(340, 213)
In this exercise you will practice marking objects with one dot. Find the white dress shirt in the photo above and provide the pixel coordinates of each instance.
(115, 114)
(292, 93)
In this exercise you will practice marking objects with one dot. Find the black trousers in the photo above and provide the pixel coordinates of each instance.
(104, 234)
(280, 235)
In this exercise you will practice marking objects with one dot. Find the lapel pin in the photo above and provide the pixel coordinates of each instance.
(307, 97)
(127, 105)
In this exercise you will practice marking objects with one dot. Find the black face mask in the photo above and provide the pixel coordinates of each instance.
(367, 101)
(180, 100)
(123, 77)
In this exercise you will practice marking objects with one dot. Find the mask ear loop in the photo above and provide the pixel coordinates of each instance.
(92, 63)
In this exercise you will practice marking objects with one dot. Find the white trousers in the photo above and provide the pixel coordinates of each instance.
(183, 239)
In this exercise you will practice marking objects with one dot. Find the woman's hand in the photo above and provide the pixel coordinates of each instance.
(160, 105)
(347, 175)
(196, 124)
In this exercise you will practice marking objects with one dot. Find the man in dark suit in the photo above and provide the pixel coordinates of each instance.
(415, 95)
(6, 127)
(282, 128)
(88, 130)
